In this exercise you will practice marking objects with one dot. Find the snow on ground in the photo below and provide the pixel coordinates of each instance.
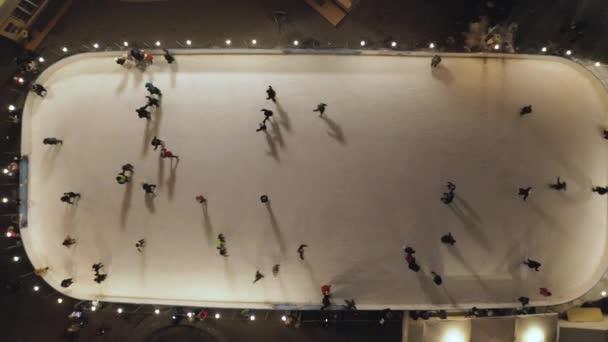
(355, 185)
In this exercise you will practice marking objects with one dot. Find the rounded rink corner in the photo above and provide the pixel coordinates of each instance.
(355, 183)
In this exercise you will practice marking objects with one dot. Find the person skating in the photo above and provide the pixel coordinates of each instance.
(301, 251)
(435, 61)
(143, 113)
(41, 272)
(414, 266)
(532, 264)
(121, 178)
(601, 190)
(448, 239)
(523, 300)
(545, 292)
(326, 302)
(524, 192)
(525, 110)
(267, 114)
(258, 276)
(99, 278)
(149, 188)
(409, 250)
(350, 305)
(68, 241)
(140, 244)
(320, 108)
(220, 245)
(262, 127)
(168, 57)
(201, 199)
(152, 101)
(437, 279)
(164, 153)
(38, 89)
(157, 142)
(68, 197)
(96, 267)
(128, 168)
(137, 54)
(559, 185)
(67, 282)
(152, 89)
(265, 199)
(271, 94)
(275, 269)
(149, 58)
(326, 290)
(448, 197)
(52, 141)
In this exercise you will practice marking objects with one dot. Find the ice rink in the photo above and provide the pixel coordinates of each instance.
(355, 185)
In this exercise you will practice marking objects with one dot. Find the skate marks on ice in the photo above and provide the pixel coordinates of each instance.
(126, 204)
(442, 74)
(470, 221)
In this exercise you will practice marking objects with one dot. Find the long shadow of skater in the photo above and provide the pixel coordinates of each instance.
(174, 67)
(207, 224)
(335, 131)
(276, 229)
(470, 222)
(150, 203)
(285, 121)
(152, 128)
(274, 153)
(126, 204)
(161, 171)
(456, 254)
(443, 74)
(172, 178)
(432, 291)
(277, 134)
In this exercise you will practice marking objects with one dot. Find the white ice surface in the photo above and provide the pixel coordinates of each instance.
(354, 200)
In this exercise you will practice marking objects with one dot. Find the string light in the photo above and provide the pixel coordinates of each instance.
(569, 52)
(254, 41)
(157, 43)
(16, 258)
(119, 310)
(496, 47)
(597, 64)
(544, 49)
(4, 200)
(188, 42)
(156, 311)
(252, 318)
(362, 43)
(393, 44)
(283, 318)
(41, 59)
(11, 108)
(217, 315)
(96, 46)
(64, 49)
(228, 41)
(36, 288)
(296, 43)
(125, 43)
(5, 171)
(190, 314)
(432, 45)
(603, 293)
(93, 308)
(59, 300)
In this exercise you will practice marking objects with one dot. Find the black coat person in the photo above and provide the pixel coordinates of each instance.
(142, 112)
(301, 251)
(559, 185)
(524, 192)
(533, 264)
(437, 279)
(168, 57)
(271, 94)
(435, 61)
(525, 110)
(600, 190)
(448, 239)
(149, 188)
(320, 108)
(152, 101)
(137, 54)
(52, 141)
(267, 114)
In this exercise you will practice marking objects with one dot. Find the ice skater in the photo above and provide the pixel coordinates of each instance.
(326, 290)
(69, 197)
(52, 141)
(350, 305)
(157, 142)
(201, 199)
(140, 244)
(128, 168)
(301, 251)
(601, 190)
(320, 108)
(121, 178)
(143, 113)
(68, 241)
(152, 101)
(409, 250)
(67, 282)
(524, 193)
(149, 188)
(96, 267)
(262, 127)
(264, 199)
(258, 276)
(168, 57)
(532, 264)
(164, 153)
(137, 54)
(545, 292)
(267, 114)
(275, 269)
(38, 89)
(448, 239)
(271, 94)
(559, 185)
(448, 197)
(525, 110)
(325, 302)
(523, 300)
(220, 245)
(152, 89)
(435, 61)
(437, 279)
(99, 278)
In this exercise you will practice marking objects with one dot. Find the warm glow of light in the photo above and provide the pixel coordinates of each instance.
(534, 334)
(59, 300)
(432, 45)
(21, 80)
(93, 308)
(36, 288)
(217, 316)
(125, 43)
(64, 49)
(254, 41)
(228, 41)
(252, 318)
(603, 293)
(283, 318)
(11, 108)
(188, 42)
(5, 171)
(544, 49)
(393, 44)
(157, 312)
(41, 59)
(362, 43)
(157, 43)
(597, 64)
(96, 46)
(16, 258)
(190, 314)
(453, 335)
(4, 200)
(8, 234)
(296, 43)
(496, 47)
(569, 52)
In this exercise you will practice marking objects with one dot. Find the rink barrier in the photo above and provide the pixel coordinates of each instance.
(23, 191)
(583, 66)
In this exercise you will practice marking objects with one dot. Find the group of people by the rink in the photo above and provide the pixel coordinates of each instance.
(140, 57)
